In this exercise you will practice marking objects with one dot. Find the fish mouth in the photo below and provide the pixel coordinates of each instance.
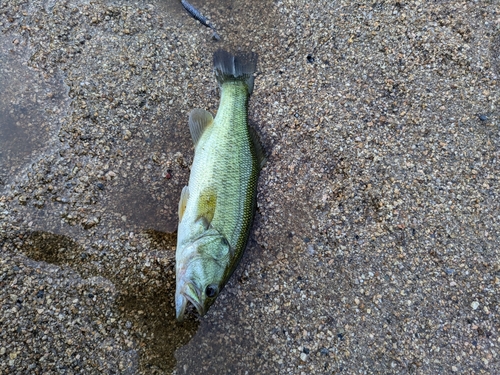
(187, 293)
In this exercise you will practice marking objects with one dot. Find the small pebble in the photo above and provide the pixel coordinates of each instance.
(324, 351)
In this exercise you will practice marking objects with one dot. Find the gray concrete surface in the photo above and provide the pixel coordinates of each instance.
(375, 248)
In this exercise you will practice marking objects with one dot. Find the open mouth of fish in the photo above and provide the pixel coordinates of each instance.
(187, 293)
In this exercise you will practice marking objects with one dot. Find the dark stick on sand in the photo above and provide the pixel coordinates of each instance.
(200, 17)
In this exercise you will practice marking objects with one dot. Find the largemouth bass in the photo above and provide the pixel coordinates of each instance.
(217, 207)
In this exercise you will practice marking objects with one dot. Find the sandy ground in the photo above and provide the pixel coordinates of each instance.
(375, 248)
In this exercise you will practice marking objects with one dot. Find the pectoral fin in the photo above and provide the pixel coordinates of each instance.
(183, 201)
(199, 121)
(206, 205)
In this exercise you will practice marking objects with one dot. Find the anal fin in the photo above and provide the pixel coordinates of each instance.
(260, 154)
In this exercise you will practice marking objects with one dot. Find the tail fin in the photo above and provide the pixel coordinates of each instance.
(230, 67)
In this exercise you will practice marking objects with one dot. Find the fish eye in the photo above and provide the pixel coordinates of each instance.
(211, 291)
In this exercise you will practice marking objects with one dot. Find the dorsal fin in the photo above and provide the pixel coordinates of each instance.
(199, 120)
(260, 154)
(183, 201)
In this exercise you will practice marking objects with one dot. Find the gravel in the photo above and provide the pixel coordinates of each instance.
(375, 247)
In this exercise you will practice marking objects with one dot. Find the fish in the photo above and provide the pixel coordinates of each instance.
(200, 17)
(217, 206)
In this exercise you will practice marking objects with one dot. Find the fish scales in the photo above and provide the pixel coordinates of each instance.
(227, 161)
(217, 207)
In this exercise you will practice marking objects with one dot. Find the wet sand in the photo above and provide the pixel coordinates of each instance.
(375, 246)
